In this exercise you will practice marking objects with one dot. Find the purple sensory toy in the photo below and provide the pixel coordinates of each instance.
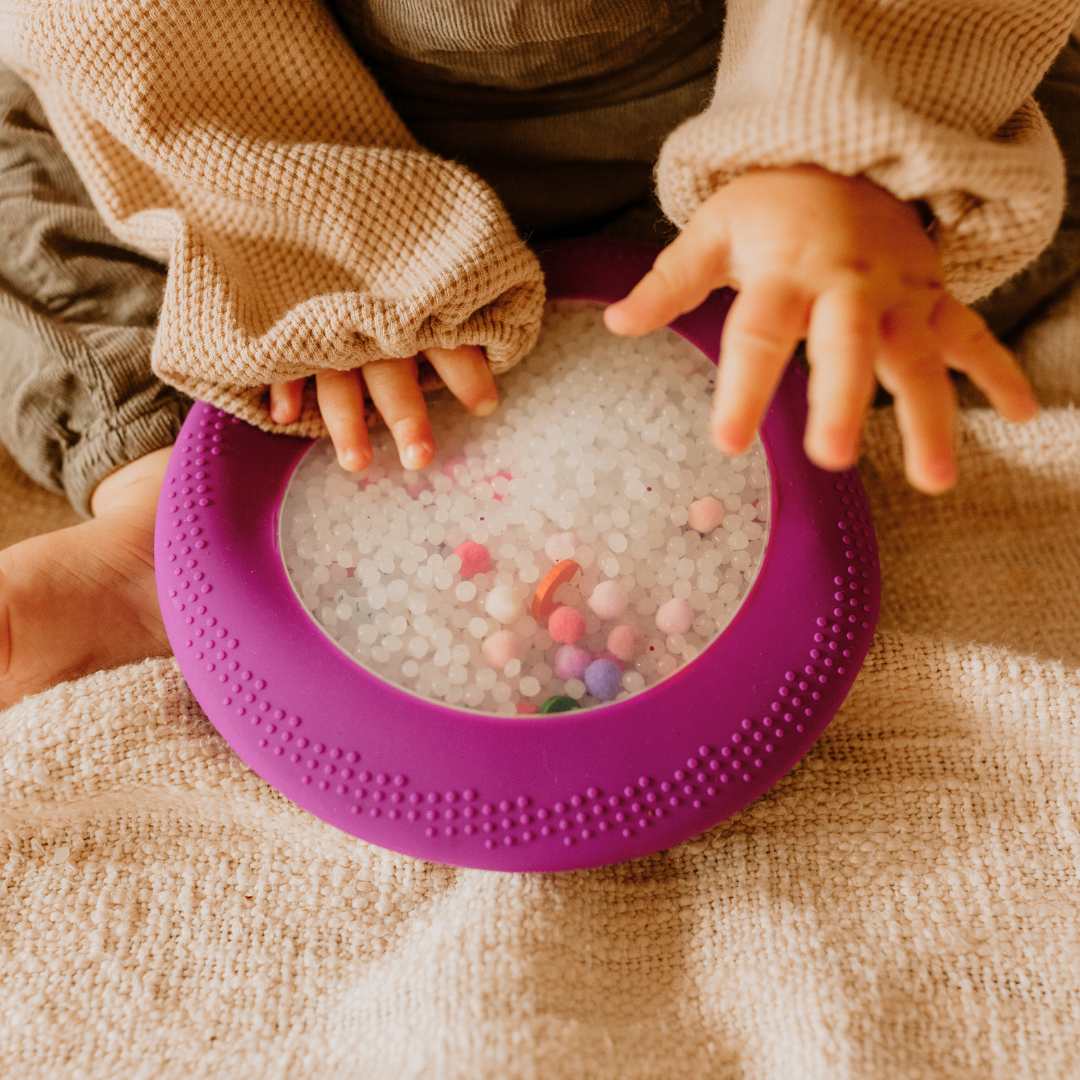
(558, 791)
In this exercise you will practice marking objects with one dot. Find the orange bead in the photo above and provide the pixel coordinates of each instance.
(543, 602)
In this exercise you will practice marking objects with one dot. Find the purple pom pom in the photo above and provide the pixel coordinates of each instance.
(603, 679)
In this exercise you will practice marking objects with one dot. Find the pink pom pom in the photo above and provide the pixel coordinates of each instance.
(566, 625)
(502, 647)
(705, 514)
(609, 600)
(626, 642)
(571, 662)
(674, 617)
(527, 708)
(474, 558)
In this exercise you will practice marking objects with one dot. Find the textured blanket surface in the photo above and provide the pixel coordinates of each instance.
(905, 904)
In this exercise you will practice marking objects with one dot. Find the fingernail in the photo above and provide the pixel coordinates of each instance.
(941, 473)
(729, 439)
(486, 407)
(612, 311)
(414, 456)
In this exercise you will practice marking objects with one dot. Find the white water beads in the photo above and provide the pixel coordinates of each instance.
(581, 492)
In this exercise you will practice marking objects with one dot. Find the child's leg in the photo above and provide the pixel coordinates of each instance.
(81, 412)
(77, 317)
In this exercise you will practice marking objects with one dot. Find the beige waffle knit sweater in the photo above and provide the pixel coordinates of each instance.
(304, 227)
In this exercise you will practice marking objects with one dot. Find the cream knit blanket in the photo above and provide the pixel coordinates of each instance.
(904, 905)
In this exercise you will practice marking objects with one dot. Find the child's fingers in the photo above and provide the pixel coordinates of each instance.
(911, 367)
(971, 348)
(341, 402)
(396, 394)
(684, 273)
(286, 399)
(467, 375)
(841, 344)
(760, 334)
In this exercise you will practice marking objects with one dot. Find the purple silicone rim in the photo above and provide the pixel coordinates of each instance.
(559, 792)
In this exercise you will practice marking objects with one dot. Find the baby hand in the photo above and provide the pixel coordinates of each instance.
(395, 391)
(841, 262)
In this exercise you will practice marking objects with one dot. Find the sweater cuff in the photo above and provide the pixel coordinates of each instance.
(996, 201)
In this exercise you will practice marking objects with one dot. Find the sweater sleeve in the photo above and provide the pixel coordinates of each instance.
(245, 145)
(931, 99)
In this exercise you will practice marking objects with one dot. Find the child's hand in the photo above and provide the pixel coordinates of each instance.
(843, 263)
(393, 387)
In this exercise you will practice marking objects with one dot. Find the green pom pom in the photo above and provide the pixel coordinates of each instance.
(559, 703)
